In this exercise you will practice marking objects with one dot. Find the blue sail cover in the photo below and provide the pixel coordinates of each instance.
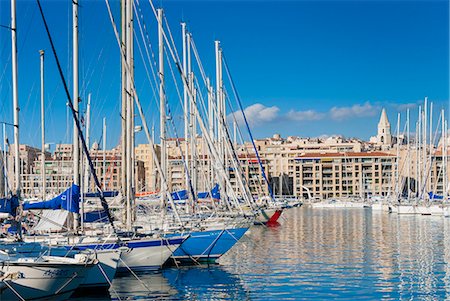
(68, 200)
(434, 196)
(215, 194)
(180, 195)
(9, 205)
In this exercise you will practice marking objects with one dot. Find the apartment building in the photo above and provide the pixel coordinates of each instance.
(59, 170)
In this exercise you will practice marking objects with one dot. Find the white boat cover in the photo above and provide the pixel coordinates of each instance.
(52, 220)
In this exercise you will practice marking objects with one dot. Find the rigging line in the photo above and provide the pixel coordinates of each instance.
(238, 100)
(173, 52)
(199, 61)
(90, 73)
(184, 109)
(149, 42)
(241, 136)
(428, 168)
(232, 151)
(155, 81)
(191, 187)
(141, 114)
(146, 69)
(176, 59)
(77, 122)
(223, 124)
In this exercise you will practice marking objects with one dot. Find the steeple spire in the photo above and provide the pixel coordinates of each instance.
(384, 130)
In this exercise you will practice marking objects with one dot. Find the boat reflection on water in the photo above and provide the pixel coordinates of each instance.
(205, 282)
(150, 285)
(202, 282)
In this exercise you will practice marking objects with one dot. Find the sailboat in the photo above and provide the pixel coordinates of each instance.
(43, 277)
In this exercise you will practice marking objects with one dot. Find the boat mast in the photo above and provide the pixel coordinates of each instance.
(162, 107)
(219, 113)
(132, 132)
(445, 182)
(5, 161)
(444, 156)
(104, 153)
(85, 178)
(41, 54)
(88, 129)
(130, 102)
(408, 153)
(15, 98)
(211, 129)
(192, 108)
(418, 155)
(124, 105)
(186, 106)
(431, 143)
(424, 149)
(397, 188)
(76, 140)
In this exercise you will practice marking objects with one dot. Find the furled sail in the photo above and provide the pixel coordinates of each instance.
(68, 200)
(214, 193)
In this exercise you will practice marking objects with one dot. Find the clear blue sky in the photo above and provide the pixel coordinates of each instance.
(303, 68)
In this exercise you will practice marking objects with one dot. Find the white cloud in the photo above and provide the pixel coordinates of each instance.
(305, 115)
(405, 106)
(355, 111)
(257, 114)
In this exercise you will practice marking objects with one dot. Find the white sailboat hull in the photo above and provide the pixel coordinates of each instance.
(103, 273)
(145, 258)
(37, 280)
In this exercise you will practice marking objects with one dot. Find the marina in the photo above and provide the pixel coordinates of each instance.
(160, 185)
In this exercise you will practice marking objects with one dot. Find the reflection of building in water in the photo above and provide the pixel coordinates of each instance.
(446, 278)
(383, 235)
(419, 242)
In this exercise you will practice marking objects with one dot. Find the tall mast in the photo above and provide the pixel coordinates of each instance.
(162, 106)
(123, 139)
(131, 96)
(446, 159)
(211, 129)
(5, 162)
(398, 157)
(192, 108)
(75, 97)
(443, 147)
(130, 102)
(104, 153)
(88, 134)
(431, 142)
(218, 87)
(15, 97)
(408, 154)
(419, 153)
(186, 106)
(76, 146)
(221, 146)
(41, 53)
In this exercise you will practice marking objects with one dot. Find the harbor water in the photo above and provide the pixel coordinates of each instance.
(316, 254)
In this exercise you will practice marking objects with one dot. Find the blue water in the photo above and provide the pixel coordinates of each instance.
(338, 254)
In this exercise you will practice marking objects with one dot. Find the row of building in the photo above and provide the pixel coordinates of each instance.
(302, 167)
